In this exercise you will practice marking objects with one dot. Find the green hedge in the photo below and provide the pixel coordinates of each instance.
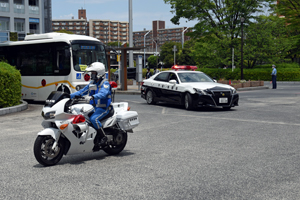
(10, 85)
(283, 74)
(280, 66)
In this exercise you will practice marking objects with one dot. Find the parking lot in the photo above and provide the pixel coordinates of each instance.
(249, 152)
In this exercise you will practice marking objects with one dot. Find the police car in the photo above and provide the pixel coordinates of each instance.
(184, 86)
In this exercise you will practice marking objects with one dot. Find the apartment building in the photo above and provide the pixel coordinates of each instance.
(159, 35)
(23, 17)
(104, 30)
(109, 31)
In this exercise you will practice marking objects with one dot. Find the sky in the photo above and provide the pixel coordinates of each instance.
(143, 11)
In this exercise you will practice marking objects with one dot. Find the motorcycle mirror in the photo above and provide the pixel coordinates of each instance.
(92, 87)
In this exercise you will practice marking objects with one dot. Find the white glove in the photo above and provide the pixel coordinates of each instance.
(87, 98)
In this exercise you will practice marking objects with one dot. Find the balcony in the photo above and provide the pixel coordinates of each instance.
(4, 7)
(18, 8)
(34, 10)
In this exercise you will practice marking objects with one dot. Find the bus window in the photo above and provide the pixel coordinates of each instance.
(43, 60)
(86, 54)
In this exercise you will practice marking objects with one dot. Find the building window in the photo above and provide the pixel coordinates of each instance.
(4, 36)
(19, 26)
(4, 6)
(4, 24)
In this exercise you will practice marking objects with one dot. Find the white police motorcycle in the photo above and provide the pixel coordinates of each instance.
(68, 130)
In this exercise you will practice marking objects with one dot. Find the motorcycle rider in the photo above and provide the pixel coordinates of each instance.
(99, 98)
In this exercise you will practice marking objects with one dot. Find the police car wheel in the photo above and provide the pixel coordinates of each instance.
(188, 101)
(150, 97)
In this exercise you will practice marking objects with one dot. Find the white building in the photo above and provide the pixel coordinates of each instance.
(23, 17)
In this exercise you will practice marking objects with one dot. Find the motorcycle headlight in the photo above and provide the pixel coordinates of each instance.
(200, 91)
(49, 115)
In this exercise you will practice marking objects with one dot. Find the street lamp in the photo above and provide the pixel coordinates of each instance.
(183, 36)
(155, 50)
(242, 41)
(144, 47)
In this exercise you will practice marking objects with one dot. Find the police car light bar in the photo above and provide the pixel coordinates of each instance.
(184, 67)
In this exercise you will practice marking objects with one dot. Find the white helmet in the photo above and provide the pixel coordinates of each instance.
(96, 67)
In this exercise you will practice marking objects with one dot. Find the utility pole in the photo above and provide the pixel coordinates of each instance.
(242, 41)
(144, 47)
(130, 34)
(174, 49)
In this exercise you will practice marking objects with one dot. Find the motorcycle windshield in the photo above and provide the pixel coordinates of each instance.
(55, 97)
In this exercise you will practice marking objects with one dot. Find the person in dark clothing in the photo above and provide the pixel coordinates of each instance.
(274, 76)
(148, 74)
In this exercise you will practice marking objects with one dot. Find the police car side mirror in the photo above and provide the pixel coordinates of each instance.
(92, 87)
(215, 80)
(172, 82)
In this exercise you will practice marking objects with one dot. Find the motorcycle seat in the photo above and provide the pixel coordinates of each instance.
(111, 113)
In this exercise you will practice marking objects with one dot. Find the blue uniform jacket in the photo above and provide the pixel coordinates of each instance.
(102, 95)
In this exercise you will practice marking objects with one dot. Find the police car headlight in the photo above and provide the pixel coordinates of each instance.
(49, 115)
(200, 91)
(233, 90)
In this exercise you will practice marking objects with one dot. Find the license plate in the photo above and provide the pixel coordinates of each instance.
(223, 100)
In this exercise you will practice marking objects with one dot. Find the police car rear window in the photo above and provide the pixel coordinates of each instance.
(163, 76)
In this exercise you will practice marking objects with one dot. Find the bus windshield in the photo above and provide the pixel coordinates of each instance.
(85, 54)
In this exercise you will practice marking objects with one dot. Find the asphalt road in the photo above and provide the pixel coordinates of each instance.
(249, 152)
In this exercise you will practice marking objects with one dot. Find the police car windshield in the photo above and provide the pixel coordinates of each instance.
(194, 77)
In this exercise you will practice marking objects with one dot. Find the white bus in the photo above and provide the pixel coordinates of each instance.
(53, 61)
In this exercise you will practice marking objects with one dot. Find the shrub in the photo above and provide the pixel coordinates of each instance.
(10, 85)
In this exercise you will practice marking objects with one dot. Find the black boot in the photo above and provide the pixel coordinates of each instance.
(102, 138)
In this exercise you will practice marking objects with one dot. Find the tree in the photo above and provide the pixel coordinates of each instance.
(216, 17)
(267, 40)
(152, 61)
(167, 54)
(290, 10)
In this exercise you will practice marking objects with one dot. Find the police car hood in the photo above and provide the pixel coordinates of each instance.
(208, 85)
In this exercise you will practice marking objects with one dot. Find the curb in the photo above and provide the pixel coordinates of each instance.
(18, 108)
(128, 92)
(253, 88)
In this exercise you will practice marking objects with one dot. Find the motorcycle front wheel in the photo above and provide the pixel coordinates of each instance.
(44, 153)
(118, 144)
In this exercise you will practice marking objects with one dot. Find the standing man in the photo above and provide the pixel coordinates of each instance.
(148, 74)
(274, 75)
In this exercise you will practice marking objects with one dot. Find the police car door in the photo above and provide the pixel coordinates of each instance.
(172, 93)
(159, 85)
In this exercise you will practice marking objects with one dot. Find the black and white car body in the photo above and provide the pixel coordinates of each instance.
(189, 88)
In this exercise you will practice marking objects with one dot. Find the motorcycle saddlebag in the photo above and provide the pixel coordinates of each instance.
(128, 120)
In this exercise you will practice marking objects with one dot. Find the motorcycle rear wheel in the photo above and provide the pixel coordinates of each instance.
(43, 151)
(118, 144)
